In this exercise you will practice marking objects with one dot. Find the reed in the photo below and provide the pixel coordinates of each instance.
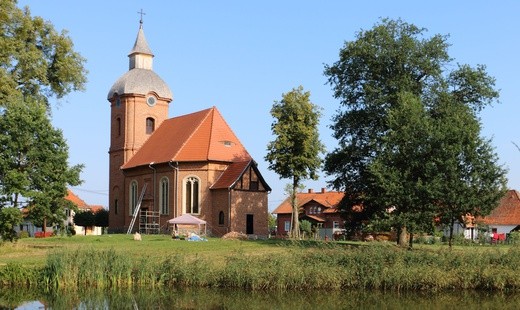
(299, 267)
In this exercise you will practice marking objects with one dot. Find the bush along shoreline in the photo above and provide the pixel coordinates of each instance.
(327, 267)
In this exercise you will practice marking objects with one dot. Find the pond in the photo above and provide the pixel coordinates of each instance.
(237, 299)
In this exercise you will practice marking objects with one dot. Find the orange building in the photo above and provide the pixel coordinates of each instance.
(319, 208)
(165, 167)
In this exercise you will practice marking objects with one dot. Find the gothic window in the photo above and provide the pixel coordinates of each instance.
(150, 125)
(133, 197)
(118, 124)
(164, 195)
(191, 195)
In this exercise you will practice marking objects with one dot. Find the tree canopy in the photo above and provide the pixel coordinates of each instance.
(36, 60)
(295, 152)
(408, 129)
(34, 162)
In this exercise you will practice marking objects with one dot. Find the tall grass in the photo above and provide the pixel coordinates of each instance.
(299, 267)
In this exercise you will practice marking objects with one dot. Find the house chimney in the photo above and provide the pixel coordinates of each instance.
(310, 191)
(323, 190)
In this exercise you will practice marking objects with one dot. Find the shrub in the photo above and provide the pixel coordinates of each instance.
(23, 234)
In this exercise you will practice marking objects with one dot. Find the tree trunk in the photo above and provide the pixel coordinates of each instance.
(410, 241)
(295, 220)
(403, 238)
(44, 227)
(450, 238)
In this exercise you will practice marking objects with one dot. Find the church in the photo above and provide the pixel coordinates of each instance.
(161, 168)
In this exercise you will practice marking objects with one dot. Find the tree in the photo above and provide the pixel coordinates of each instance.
(34, 162)
(101, 218)
(391, 84)
(382, 62)
(295, 152)
(36, 60)
(401, 174)
(9, 219)
(468, 179)
(85, 219)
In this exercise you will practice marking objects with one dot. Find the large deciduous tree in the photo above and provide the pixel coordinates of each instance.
(35, 59)
(295, 152)
(34, 162)
(396, 140)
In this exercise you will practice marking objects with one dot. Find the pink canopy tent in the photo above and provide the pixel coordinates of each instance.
(188, 219)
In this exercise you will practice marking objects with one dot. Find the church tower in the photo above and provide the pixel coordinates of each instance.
(139, 102)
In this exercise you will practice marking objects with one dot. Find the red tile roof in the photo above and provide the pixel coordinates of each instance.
(199, 136)
(76, 200)
(328, 200)
(230, 176)
(234, 172)
(507, 212)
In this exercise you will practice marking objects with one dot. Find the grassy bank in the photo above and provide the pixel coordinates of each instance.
(263, 265)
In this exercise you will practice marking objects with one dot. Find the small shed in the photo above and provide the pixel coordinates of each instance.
(188, 220)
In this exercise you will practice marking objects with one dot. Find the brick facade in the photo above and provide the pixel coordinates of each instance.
(208, 171)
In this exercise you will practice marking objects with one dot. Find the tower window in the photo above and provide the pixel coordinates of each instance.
(150, 125)
(118, 124)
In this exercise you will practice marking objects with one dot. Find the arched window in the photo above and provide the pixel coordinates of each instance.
(115, 206)
(164, 195)
(150, 125)
(191, 195)
(118, 124)
(221, 218)
(133, 197)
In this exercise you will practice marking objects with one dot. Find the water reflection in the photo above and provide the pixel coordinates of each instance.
(229, 299)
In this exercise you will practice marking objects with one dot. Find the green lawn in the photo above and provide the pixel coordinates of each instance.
(32, 251)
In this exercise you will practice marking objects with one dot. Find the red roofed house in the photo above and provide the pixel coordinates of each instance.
(506, 217)
(82, 206)
(28, 226)
(319, 208)
(164, 168)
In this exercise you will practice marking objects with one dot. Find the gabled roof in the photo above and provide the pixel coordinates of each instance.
(76, 200)
(507, 212)
(199, 136)
(328, 200)
(234, 172)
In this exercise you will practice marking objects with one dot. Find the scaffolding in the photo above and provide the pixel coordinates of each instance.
(149, 222)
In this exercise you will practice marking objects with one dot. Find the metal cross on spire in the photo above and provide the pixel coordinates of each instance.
(141, 20)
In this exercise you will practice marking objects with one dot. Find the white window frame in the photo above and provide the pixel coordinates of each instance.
(132, 199)
(164, 196)
(287, 226)
(192, 179)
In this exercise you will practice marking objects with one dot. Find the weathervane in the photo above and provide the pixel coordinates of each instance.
(141, 20)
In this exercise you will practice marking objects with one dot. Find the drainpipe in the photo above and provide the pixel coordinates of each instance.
(229, 209)
(176, 168)
(153, 193)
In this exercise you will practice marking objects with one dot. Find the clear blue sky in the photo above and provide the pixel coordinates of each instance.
(242, 55)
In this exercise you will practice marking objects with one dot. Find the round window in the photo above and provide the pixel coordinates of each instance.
(151, 101)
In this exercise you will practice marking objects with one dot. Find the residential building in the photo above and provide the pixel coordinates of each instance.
(319, 208)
